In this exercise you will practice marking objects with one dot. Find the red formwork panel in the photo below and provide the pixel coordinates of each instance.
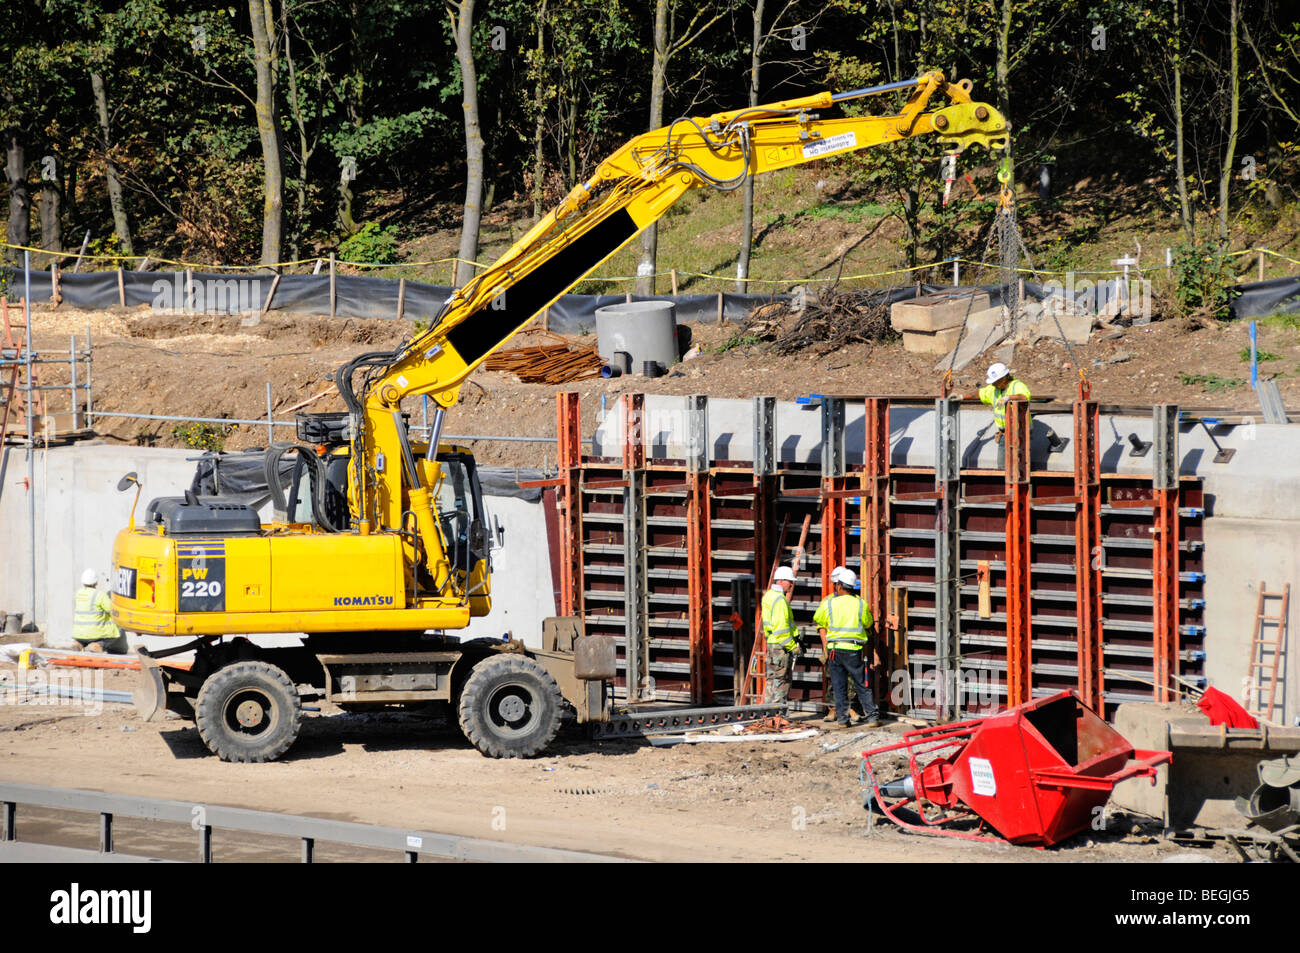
(752, 523)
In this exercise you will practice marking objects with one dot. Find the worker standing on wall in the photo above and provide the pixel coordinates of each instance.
(782, 636)
(1001, 386)
(845, 624)
(92, 624)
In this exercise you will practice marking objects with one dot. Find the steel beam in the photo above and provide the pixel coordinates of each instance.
(568, 454)
(699, 547)
(947, 557)
(833, 531)
(1019, 607)
(1164, 552)
(1088, 554)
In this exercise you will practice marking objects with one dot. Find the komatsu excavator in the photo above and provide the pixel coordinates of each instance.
(381, 548)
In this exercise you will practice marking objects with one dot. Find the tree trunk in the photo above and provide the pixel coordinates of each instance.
(539, 104)
(462, 22)
(1184, 206)
(1002, 73)
(646, 267)
(116, 200)
(20, 202)
(305, 148)
(1234, 102)
(747, 223)
(263, 27)
(52, 215)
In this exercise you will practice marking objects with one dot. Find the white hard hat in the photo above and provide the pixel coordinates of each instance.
(846, 576)
(996, 373)
(89, 577)
(783, 574)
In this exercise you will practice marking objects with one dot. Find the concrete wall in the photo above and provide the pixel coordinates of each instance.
(1239, 555)
(79, 512)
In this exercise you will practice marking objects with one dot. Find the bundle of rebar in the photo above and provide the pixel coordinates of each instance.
(551, 363)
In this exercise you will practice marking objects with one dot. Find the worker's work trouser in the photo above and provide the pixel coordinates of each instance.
(845, 666)
(780, 673)
(116, 646)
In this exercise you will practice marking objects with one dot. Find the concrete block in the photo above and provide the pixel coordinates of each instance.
(1076, 327)
(937, 342)
(983, 331)
(936, 312)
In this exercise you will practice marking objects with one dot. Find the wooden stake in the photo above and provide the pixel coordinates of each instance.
(56, 298)
(144, 264)
(719, 307)
(189, 289)
(121, 288)
(546, 319)
(81, 254)
(275, 283)
(401, 298)
(673, 272)
(1261, 266)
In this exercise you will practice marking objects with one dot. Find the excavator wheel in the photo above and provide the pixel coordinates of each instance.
(510, 707)
(248, 711)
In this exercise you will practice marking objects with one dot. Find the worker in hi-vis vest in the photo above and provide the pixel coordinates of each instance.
(782, 636)
(92, 622)
(1000, 386)
(844, 623)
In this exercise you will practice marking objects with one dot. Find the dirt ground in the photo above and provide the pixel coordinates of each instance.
(218, 366)
(773, 801)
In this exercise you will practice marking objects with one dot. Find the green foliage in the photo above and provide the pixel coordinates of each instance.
(1202, 275)
(372, 243)
(737, 340)
(1262, 355)
(201, 436)
(1212, 383)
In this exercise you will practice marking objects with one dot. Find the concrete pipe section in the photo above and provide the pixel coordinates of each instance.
(644, 330)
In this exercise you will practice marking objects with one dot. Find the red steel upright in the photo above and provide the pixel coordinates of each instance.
(873, 523)
(569, 460)
(1164, 586)
(1019, 608)
(1087, 553)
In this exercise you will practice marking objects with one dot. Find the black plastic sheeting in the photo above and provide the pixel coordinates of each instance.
(362, 296)
(1265, 297)
(242, 475)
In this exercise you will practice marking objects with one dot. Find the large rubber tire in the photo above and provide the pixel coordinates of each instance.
(248, 711)
(510, 707)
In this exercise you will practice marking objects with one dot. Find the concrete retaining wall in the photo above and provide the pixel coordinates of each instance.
(79, 512)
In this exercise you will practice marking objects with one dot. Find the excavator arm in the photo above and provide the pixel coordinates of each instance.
(628, 191)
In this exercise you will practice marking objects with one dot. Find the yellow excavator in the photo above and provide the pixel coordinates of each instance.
(380, 547)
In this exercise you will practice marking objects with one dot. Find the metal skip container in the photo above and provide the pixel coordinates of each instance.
(645, 330)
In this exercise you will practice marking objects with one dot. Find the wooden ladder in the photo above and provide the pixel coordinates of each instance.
(1261, 648)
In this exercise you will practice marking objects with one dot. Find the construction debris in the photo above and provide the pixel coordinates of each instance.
(664, 741)
(823, 324)
(553, 363)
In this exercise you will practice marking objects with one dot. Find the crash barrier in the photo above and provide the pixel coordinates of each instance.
(206, 818)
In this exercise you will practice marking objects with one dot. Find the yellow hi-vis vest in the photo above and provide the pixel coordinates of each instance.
(847, 622)
(778, 619)
(998, 398)
(91, 621)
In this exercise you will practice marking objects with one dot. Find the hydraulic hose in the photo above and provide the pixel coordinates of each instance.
(271, 466)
